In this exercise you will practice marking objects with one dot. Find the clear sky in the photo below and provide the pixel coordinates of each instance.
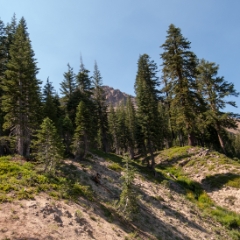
(115, 33)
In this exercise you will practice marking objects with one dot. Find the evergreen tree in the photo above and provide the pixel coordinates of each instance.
(131, 125)
(179, 71)
(67, 134)
(147, 102)
(121, 130)
(83, 92)
(101, 108)
(112, 121)
(128, 199)
(11, 31)
(3, 65)
(3, 50)
(214, 90)
(51, 104)
(166, 108)
(68, 85)
(48, 145)
(83, 132)
(236, 145)
(72, 104)
(84, 82)
(21, 91)
(164, 120)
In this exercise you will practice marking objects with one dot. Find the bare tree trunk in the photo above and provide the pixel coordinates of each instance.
(131, 152)
(152, 166)
(218, 129)
(191, 139)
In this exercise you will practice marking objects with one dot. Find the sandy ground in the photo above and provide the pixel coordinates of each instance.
(164, 213)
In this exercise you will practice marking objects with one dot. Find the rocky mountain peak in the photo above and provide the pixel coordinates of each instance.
(116, 97)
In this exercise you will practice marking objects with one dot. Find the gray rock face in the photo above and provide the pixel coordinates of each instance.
(116, 97)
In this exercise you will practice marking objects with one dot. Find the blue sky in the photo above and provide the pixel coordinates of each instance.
(115, 33)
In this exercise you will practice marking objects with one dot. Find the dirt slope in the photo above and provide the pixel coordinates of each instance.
(164, 212)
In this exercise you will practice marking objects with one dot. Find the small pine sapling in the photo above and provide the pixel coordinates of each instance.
(128, 200)
(48, 145)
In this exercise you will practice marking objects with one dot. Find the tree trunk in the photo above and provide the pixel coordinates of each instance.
(191, 139)
(218, 129)
(104, 142)
(152, 166)
(85, 145)
(131, 152)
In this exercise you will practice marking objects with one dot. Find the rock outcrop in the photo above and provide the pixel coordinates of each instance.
(116, 97)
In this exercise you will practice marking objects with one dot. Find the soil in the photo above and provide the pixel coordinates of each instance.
(164, 212)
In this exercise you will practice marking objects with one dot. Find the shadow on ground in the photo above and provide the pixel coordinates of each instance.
(217, 181)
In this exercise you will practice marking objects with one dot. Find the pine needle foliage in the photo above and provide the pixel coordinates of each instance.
(101, 109)
(128, 200)
(83, 132)
(179, 73)
(68, 85)
(48, 145)
(215, 90)
(21, 91)
(147, 96)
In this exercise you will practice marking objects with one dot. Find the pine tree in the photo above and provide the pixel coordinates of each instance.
(48, 145)
(3, 50)
(101, 108)
(147, 102)
(72, 104)
(68, 85)
(128, 199)
(166, 107)
(83, 132)
(121, 129)
(164, 120)
(131, 125)
(67, 134)
(84, 82)
(51, 104)
(179, 71)
(11, 29)
(83, 92)
(21, 91)
(112, 121)
(3, 65)
(214, 90)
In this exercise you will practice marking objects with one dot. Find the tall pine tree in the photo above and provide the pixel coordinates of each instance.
(3, 65)
(147, 102)
(68, 85)
(131, 126)
(101, 108)
(214, 90)
(179, 71)
(51, 104)
(84, 82)
(83, 132)
(3, 50)
(21, 91)
(112, 121)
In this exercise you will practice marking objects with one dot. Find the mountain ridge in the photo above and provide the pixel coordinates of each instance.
(116, 97)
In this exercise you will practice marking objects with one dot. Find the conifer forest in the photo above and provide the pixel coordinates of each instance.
(79, 163)
(179, 103)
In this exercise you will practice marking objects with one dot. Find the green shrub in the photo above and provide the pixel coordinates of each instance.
(115, 167)
(228, 218)
(80, 190)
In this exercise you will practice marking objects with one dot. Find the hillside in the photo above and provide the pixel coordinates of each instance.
(195, 195)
